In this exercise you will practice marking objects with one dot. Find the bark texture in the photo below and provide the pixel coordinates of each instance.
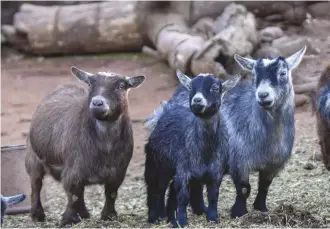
(85, 28)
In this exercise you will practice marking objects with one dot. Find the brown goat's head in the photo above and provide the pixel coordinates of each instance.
(107, 92)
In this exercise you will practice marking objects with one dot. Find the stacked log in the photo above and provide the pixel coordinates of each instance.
(85, 28)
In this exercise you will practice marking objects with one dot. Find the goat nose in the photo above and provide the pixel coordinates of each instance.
(263, 94)
(97, 102)
(197, 100)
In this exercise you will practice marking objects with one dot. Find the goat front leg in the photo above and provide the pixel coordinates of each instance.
(182, 196)
(81, 206)
(240, 177)
(265, 180)
(71, 214)
(213, 186)
(196, 198)
(110, 191)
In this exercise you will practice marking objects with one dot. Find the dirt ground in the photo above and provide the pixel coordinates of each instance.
(298, 197)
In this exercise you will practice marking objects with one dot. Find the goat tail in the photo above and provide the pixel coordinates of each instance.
(13, 200)
(152, 119)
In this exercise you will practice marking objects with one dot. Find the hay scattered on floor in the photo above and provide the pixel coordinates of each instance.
(284, 216)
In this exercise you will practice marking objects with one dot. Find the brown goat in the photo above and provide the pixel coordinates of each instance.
(81, 138)
(322, 108)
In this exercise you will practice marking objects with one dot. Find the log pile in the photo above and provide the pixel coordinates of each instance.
(191, 36)
(85, 28)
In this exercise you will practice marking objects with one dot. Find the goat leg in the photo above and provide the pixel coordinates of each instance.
(109, 212)
(265, 180)
(243, 189)
(181, 188)
(196, 198)
(213, 196)
(36, 172)
(172, 205)
(81, 206)
(325, 149)
(71, 215)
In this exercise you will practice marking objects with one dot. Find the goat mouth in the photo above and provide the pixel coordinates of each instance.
(100, 112)
(266, 104)
(197, 108)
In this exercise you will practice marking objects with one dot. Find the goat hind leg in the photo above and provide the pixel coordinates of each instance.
(36, 172)
(243, 188)
(172, 205)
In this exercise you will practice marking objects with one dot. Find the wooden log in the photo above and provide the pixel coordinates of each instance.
(304, 88)
(112, 26)
(85, 28)
(301, 100)
(190, 52)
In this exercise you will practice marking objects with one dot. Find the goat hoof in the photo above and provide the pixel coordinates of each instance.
(110, 216)
(200, 211)
(176, 224)
(70, 220)
(84, 214)
(260, 208)
(212, 218)
(238, 212)
(153, 218)
(38, 216)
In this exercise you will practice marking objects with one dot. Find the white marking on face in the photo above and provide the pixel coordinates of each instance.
(204, 74)
(265, 86)
(203, 100)
(108, 74)
(267, 61)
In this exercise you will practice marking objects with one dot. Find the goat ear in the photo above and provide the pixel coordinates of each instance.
(229, 84)
(135, 81)
(81, 75)
(294, 60)
(245, 63)
(184, 80)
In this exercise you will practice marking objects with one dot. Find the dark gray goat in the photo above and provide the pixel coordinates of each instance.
(188, 146)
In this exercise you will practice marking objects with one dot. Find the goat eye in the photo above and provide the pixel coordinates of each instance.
(283, 73)
(121, 86)
(215, 88)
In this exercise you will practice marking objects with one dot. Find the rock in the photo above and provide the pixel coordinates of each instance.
(204, 26)
(267, 51)
(236, 30)
(316, 157)
(319, 9)
(288, 45)
(271, 33)
(309, 166)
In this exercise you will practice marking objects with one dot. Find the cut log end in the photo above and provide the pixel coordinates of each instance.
(301, 100)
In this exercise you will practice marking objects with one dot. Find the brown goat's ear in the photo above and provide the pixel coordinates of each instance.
(81, 75)
(135, 81)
